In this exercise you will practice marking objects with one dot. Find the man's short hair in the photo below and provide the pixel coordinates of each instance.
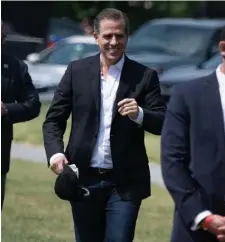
(222, 35)
(111, 14)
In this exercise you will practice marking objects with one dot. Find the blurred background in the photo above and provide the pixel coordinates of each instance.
(178, 39)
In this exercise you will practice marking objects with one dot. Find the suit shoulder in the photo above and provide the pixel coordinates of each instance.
(10, 60)
(15, 65)
(193, 85)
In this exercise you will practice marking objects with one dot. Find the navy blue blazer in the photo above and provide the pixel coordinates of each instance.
(20, 98)
(193, 155)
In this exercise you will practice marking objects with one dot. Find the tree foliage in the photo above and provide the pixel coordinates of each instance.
(137, 11)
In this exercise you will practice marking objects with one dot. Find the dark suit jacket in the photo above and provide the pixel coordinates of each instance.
(193, 155)
(79, 93)
(20, 98)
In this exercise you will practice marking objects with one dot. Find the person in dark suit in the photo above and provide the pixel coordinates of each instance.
(113, 100)
(193, 156)
(19, 103)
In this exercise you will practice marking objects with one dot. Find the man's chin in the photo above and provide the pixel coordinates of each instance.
(114, 57)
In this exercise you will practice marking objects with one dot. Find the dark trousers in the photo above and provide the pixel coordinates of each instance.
(3, 181)
(103, 216)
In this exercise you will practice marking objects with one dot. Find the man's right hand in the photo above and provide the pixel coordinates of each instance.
(217, 221)
(58, 163)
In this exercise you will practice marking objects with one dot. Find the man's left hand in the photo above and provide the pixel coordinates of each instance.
(221, 232)
(3, 109)
(128, 106)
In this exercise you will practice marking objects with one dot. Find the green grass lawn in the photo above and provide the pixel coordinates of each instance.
(31, 132)
(33, 213)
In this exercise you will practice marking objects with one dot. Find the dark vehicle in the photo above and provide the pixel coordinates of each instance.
(166, 43)
(20, 45)
(27, 28)
(186, 73)
(60, 28)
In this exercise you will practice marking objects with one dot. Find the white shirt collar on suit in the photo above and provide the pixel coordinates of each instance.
(220, 77)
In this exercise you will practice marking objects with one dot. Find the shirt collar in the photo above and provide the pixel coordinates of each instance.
(120, 63)
(220, 76)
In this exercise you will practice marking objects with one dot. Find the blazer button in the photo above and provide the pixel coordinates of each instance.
(111, 135)
(96, 135)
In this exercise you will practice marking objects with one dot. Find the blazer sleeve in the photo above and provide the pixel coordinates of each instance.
(154, 106)
(28, 105)
(175, 160)
(59, 111)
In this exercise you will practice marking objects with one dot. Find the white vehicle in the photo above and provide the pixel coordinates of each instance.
(47, 67)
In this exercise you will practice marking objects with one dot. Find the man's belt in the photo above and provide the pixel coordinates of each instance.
(100, 171)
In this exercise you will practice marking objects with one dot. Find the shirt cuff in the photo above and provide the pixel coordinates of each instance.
(52, 159)
(199, 218)
(139, 119)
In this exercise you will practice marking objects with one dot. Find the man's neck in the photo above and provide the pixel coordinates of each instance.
(105, 64)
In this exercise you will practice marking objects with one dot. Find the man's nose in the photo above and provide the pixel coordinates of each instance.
(113, 41)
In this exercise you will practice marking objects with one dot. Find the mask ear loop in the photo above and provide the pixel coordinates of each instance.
(87, 192)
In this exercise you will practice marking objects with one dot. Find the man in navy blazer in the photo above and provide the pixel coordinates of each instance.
(193, 156)
(19, 103)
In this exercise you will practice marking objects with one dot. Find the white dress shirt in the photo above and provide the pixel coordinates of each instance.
(221, 80)
(102, 152)
(101, 156)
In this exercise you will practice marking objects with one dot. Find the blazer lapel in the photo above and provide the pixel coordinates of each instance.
(124, 85)
(95, 81)
(213, 102)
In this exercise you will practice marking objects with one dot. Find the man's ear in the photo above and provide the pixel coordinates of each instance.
(96, 37)
(222, 48)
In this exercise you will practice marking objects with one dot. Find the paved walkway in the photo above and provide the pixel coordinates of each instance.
(37, 154)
